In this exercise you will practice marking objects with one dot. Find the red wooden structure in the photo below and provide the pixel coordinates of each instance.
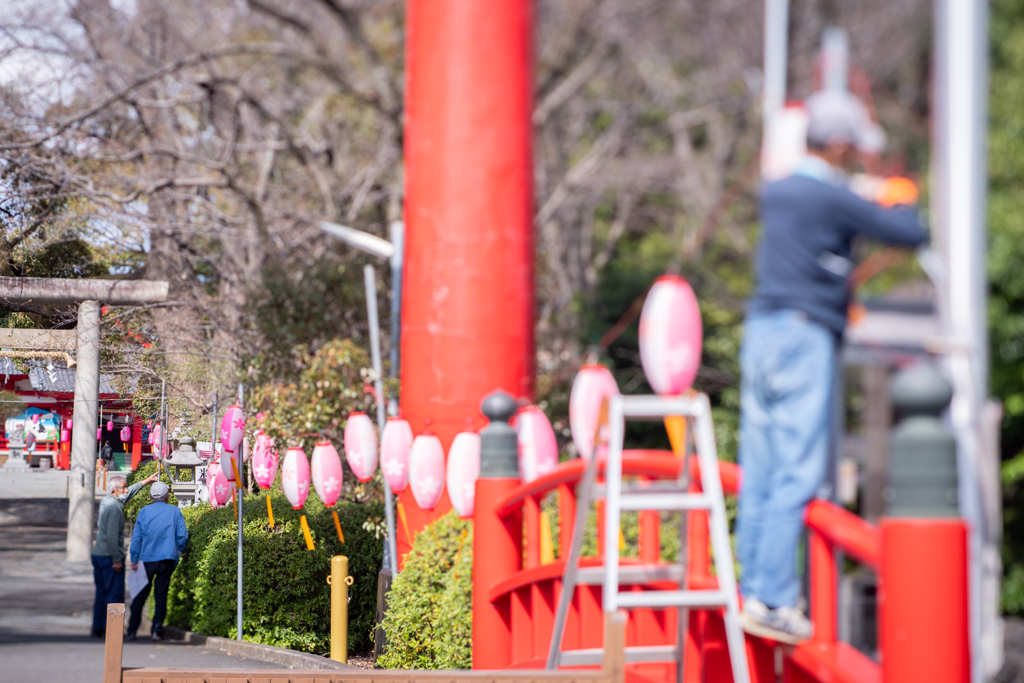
(920, 562)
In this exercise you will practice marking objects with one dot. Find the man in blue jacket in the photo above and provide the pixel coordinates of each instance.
(158, 540)
(790, 348)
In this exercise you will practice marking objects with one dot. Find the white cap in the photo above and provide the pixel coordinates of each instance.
(837, 116)
(158, 490)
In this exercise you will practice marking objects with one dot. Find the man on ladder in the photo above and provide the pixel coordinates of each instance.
(788, 360)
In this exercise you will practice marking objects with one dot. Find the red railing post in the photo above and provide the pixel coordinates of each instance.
(824, 603)
(923, 613)
(497, 539)
(531, 526)
(566, 518)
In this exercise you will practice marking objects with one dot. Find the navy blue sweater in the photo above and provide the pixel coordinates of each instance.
(803, 260)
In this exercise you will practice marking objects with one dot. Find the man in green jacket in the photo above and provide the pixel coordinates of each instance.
(108, 552)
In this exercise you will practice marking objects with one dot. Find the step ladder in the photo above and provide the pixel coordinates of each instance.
(671, 496)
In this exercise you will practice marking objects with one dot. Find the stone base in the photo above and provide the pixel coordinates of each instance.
(15, 463)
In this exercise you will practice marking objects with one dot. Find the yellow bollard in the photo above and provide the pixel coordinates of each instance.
(339, 581)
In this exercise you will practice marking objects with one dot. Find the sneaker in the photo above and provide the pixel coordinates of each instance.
(155, 637)
(131, 637)
(783, 624)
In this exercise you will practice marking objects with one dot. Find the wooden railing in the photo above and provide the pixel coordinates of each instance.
(613, 670)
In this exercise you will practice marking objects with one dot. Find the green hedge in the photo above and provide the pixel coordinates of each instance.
(429, 623)
(286, 597)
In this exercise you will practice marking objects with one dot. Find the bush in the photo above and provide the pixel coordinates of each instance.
(286, 597)
(142, 499)
(429, 622)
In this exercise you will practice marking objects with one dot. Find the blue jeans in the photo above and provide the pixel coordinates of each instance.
(109, 589)
(787, 364)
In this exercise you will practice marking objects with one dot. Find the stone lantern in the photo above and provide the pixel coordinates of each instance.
(185, 457)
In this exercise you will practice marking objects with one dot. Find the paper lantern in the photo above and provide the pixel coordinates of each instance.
(232, 428)
(264, 461)
(126, 434)
(426, 470)
(671, 336)
(326, 472)
(212, 470)
(361, 446)
(71, 423)
(99, 433)
(220, 490)
(65, 436)
(538, 447)
(593, 384)
(295, 477)
(157, 436)
(110, 426)
(395, 444)
(463, 471)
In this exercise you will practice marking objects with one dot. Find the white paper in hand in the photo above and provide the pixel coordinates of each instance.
(137, 580)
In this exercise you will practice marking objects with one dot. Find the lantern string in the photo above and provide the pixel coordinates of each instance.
(337, 525)
(238, 480)
(270, 512)
(233, 505)
(305, 532)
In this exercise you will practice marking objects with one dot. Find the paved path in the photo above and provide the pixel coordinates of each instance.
(45, 616)
(36, 483)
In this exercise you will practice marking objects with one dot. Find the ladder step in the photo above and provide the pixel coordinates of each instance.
(632, 575)
(634, 655)
(600, 491)
(664, 501)
(661, 599)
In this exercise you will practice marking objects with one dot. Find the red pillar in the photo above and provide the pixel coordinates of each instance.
(136, 441)
(923, 601)
(467, 312)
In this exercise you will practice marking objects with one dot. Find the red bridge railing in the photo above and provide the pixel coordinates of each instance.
(516, 595)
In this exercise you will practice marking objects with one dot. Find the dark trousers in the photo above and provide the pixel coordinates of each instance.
(109, 589)
(159, 574)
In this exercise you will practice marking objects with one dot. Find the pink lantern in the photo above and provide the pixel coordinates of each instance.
(220, 489)
(671, 336)
(426, 470)
(232, 428)
(110, 425)
(264, 461)
(295, 477)
(65, 436)
(71, 423)
(538, 448)
(156, 435)
(327, 476)
(361, 446)
(126, 434)
(212, 470)
(395, 444)
(99, 433)
(592, 385)
(463, 471)
(35, 418)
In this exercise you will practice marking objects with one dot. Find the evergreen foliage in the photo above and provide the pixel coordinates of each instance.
(429, 622)
(286, 597)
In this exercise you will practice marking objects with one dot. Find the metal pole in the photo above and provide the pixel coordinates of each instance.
(397, 263)
(776, 31)
(163, 424)
(82, 482)
(962, 85)
(213, 426)
(238, 495)
(370, 279)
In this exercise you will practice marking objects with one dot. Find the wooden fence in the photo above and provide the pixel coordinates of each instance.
(611, 672)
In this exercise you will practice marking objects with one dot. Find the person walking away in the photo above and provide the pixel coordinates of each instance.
(106, 454)
(108, 551)
(789, 354)
(158, 540)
